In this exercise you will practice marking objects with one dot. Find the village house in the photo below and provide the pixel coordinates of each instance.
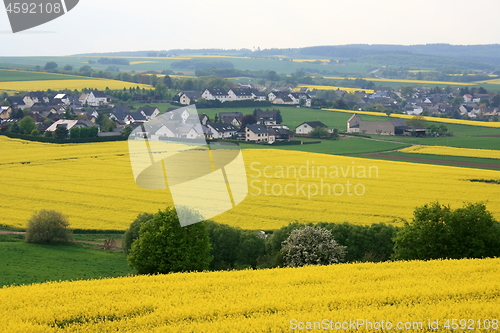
(69, 124)
(211, 94)
(35, 97)
(187, 97)
(239, 94)
(392, 126)
(307, 127)
(233, 118)
(5, 112)
(255, 132)
(222, 130)
(94, 98)
(266, 117)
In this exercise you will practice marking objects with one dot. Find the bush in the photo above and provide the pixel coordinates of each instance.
(132, 232)
(311, 246)
(437, 231)
(164, 246)
(48, 226)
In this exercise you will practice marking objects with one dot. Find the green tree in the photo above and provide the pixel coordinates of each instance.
(164, 246)
(35, 132)
(74, 133)
(27, 125)
(61, 132)
(312, 246)
(50, 65)
(224, 241)
(48, 226)
(436, 231)
(251, 246)
(126, 130)
(319, 132)
(14, 128)
(132, 232)
(68, 68)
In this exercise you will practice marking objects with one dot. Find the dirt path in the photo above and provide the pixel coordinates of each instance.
(428, 161)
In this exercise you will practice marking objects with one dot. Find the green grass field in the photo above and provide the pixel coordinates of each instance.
(25, 263)
(344, 146)
(459, 161)
(455, 141)
(10, 75)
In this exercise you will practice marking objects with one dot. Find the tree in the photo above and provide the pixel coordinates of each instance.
(48, 226)
(167, 81)
(35, 132)
(126, 130)
(27, 125)
(132, 232)
(50, 65)
(407, 91)
(164, 246)
(224, 241)
(68, 68)
(61, 132)
(436, 231)
(248, 119)
(312, 246)
(417, 122)
(85, 68)
(14, 128)
(319, 132)
(74, 133)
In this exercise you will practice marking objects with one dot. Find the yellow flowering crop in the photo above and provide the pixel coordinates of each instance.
(452, 151)
(100, 84)
(93, 184)
(316, 87)
(141, 62)
(415, 296)
(435, 119)
(495, 81)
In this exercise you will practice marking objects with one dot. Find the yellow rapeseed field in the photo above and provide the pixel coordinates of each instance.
(495, 81)
(93, 184)
(349, 90)
(452, 151)
(404, 81)
(100, 84)
(415, 296)
(141, 62)
(436, 119)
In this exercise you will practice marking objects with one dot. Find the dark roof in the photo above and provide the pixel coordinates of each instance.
(190, 94)
(99, 94)
(136, 116)
(242, 91)
(398, 122)
(257, 128)
(315, 124)
(222, 127)
(37, 94)
(266, 114)
(237, 115)
(217, 91)
(148, 110)
(120, 108)
(16, 100)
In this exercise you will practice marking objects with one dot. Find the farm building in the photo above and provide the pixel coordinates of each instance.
(392, 126)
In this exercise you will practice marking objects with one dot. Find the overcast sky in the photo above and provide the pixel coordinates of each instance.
(125, 25)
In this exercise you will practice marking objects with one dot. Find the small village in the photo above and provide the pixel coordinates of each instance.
(263, 126)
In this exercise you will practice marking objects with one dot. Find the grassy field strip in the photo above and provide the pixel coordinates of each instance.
(403, 81)
(94, 186)
(434, 119)
(7, 75)
(267, 300)
(451, 151)
(316, 87)
(79, 84)
(24, 263)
